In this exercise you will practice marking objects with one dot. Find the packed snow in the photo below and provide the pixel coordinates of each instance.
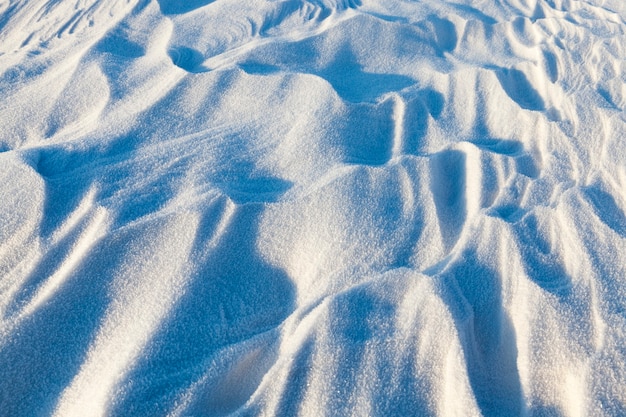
(312, 208)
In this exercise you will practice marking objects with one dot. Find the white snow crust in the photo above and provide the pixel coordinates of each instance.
(312, 208)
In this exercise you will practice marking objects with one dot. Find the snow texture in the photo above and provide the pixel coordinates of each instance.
(312, 208)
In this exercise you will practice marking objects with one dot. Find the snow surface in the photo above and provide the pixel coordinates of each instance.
(312, 207)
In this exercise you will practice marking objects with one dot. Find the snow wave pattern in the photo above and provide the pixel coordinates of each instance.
(350, 207)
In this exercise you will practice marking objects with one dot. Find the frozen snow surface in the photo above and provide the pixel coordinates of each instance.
(312, 208)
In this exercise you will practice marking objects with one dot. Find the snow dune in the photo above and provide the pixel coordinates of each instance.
(312, 207)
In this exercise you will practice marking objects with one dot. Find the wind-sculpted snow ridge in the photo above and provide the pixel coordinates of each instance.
(312, 207)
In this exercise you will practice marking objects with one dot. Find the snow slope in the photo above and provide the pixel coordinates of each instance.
(312, 207)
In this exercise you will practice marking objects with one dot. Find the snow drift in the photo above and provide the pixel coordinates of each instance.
(325, 207)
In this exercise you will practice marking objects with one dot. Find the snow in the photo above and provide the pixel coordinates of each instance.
(312, 207)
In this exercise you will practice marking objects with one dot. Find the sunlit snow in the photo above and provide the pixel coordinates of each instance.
(312, 208)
